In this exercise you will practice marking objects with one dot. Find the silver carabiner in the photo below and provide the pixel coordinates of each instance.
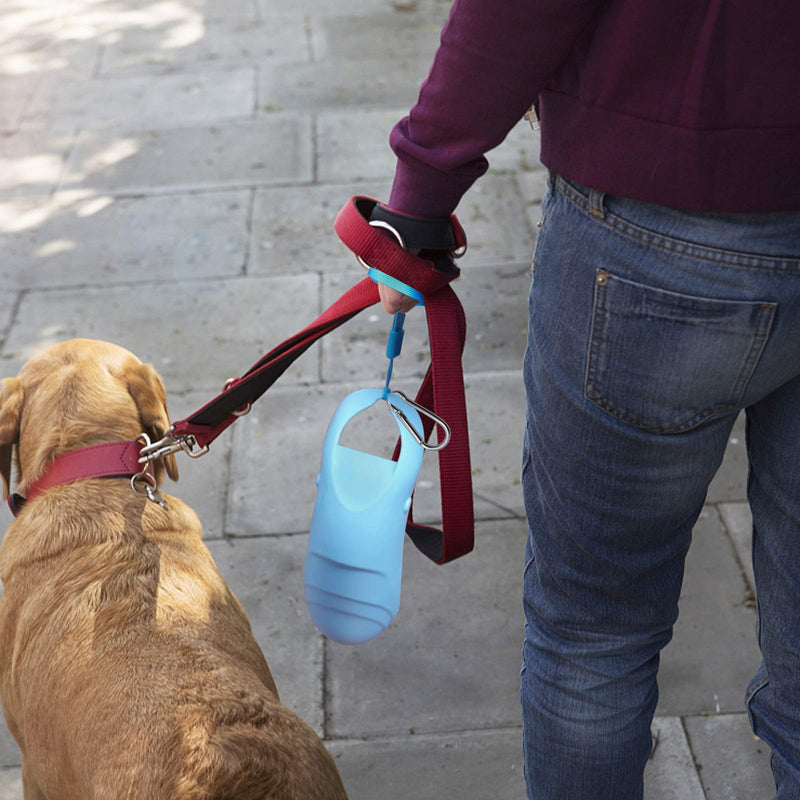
(406, 423)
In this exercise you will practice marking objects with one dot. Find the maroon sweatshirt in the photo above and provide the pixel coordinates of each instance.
(687, 103)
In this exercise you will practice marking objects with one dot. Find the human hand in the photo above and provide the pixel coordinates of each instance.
(394, 301)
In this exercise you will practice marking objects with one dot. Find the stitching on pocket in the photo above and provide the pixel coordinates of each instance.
(599, 338)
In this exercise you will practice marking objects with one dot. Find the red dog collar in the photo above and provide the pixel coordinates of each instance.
(108, 460)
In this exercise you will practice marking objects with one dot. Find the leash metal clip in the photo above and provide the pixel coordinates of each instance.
(404, 421)
(168, 445)
(145, 479)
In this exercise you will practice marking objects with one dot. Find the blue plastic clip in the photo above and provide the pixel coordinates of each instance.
(393, 347)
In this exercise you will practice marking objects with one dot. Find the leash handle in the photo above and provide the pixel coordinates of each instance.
(442, 389)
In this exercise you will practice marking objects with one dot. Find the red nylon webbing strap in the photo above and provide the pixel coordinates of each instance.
(442, 390)
(215, 416)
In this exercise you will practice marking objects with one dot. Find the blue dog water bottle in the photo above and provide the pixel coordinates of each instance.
(355, 552)
(354, 563)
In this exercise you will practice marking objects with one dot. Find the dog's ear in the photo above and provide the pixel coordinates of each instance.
(147, 391)
(11, 396)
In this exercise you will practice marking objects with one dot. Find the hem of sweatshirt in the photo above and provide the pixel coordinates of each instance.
(732, 170)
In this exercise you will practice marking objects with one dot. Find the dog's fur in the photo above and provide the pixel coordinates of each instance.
(127, 666)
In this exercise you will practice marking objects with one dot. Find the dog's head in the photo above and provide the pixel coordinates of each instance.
(75, 394)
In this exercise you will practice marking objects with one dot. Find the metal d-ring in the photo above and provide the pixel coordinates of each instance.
(245, 409)
(150, 487)
(379, 223)
(406, 423)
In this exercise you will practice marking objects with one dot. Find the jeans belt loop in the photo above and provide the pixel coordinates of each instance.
(597, 204)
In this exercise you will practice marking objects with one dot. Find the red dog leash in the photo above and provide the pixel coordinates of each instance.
(442, 390)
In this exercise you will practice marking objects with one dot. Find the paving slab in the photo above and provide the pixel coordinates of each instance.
(381, 34)
(266, 574)
(39, 54)
(32, 163)
(323, 8)
(292, 228)
(739, 523)
(9, 752)
(496, 407)
(493, 215)
(21, 18)
(196, 334)
(268, 151)
(698, 674)
(16, 94)
(110, 22)
(496, 328)
(354, 145)
(288, 427)
(730, 482)
(484, 765)
(357, 83)
(11, 784)
(143, 102)
(479, 765)
(8, 305)
(70, 239)
(670, 773)
(439, 667)
(199, 43)
(733, 764)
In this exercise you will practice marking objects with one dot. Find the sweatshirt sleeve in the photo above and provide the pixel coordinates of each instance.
(494, 59)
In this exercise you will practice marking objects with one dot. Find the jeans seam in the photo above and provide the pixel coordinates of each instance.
(598, 318)
(756, 347)
(672, 246)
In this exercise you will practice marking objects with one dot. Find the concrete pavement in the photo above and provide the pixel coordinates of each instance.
(169, 174)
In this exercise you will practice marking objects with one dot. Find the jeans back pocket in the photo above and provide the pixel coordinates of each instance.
(664, 361)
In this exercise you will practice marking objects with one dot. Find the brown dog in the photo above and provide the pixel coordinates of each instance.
(127, 666)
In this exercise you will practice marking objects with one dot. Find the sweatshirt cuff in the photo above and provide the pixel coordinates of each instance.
(417, 192)
(423, 190)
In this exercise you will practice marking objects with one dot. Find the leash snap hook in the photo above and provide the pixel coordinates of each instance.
(168, 445)
(404, 421)
(144, 482)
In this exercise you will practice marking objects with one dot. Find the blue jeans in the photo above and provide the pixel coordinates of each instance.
(650, 329)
